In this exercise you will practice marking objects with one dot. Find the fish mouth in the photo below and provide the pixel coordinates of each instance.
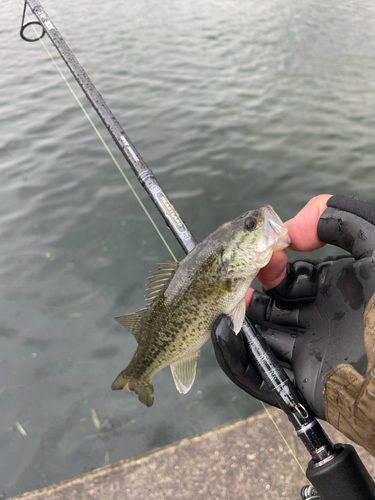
(275, 229)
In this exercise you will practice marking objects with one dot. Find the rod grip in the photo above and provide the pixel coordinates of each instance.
(344, 477)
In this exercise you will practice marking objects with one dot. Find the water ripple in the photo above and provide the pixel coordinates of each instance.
(232, 105)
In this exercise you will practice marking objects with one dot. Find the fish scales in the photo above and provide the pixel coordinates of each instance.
(212, 280)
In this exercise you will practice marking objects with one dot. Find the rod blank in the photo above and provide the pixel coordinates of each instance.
(139, 167)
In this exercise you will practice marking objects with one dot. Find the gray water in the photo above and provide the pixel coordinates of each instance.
(232, 104)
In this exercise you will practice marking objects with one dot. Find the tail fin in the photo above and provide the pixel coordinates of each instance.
(144, 390)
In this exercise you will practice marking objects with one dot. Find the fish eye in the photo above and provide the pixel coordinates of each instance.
(249, 223)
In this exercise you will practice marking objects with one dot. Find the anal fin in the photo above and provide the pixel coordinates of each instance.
(184, 373)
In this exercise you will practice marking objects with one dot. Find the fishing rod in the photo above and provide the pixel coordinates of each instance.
(139, 167)
(331, 467)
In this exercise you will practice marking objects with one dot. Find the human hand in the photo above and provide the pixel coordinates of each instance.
(311, 313)
(303, 232)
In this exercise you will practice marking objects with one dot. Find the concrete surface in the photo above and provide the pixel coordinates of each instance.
(243, 460)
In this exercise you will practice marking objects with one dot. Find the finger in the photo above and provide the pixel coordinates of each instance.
(265, 312)
(232, 356)
(303, 228)
(229, 348)
(280, 342)
(349, 224)
(298, 287)
(272, 274)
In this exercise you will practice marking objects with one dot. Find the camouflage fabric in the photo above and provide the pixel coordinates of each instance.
(349, 397)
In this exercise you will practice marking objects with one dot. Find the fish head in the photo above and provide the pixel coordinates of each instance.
(251, 240)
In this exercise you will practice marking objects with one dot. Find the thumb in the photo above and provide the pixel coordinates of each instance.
(302, 230)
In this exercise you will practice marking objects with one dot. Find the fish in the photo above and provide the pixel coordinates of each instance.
(184, 299)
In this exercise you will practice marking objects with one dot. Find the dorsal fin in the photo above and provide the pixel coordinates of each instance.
(159, 278)
(131, 321)
(155, 284)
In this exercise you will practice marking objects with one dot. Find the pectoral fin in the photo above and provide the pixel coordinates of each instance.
(238, 315)
(184, 373)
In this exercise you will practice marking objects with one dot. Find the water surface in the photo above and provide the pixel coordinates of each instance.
(232, 104)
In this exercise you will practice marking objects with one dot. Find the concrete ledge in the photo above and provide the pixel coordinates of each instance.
(243, 460)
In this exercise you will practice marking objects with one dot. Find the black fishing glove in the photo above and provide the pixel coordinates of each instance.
(313, 320)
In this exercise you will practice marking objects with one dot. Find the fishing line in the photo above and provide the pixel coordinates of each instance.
(27, 169)
(100, 136)
(283, 438)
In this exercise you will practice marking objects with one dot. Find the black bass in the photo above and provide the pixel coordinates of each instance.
(184, 299)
